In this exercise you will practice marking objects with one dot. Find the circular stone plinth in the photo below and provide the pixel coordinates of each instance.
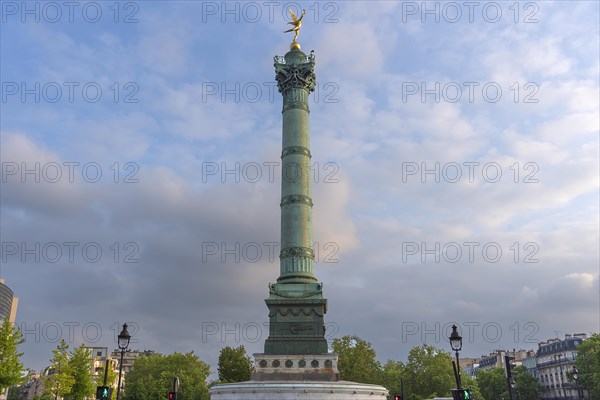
(295, 390)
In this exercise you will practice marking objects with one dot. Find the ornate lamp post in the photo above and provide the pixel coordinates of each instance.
(123, 342)
(456, 345)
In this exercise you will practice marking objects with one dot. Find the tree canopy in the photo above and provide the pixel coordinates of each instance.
(11, 368)
(59, 381)
(357, 360)
(81, 369)
(428, 373)
(392, 372)
(234, 365)
(588, 365)
(493, 384)
(526, 386)
(151, 377)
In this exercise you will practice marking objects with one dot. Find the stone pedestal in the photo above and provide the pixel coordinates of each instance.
(297, 390)
(296, 367)
(296, 324)
(296, 377)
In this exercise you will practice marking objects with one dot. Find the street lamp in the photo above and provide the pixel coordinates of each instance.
(456, 345)
(123, 342)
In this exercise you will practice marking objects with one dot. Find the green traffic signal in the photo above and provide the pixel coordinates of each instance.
(103, 393)
(462, 394)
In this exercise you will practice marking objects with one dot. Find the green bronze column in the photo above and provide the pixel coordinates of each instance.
(295, 80)
(296, 303)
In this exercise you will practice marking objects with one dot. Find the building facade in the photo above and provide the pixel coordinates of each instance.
(8, 303)
(99, 358)
(129, 358)
(496, 358)
(555, 362)
(32, 388)
(531, 364)
(8, 309)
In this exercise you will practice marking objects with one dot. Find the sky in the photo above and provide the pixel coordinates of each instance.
(455, 171)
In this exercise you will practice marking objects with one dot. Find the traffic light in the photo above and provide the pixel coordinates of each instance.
(172, 395)
(103, 393)
(462, 394)
(398, 397)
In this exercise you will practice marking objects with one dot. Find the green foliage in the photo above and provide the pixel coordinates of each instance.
(234, 365)
(588, 365)
(428, 373)
(391, 374)
(11, 368)
(356, 360)
(526, 386)
(59, 381)
(470, 383)
(493, 384)
(152, 377)
(80, 363)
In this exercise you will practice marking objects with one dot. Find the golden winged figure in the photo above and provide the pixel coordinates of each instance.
(297, 22)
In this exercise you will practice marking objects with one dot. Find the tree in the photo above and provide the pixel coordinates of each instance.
(11, 368)
(391, 374)
(80, 364)
(151, 377)
(428, 373)
(356, 360)
(469, 382)
(59, 379)
(588, 365)
(492, 384)
(234, 365)
(526, 386)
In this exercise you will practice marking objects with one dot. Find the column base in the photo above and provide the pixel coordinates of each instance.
(296, 367)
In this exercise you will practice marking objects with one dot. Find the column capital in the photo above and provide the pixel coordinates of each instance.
(295, 70)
